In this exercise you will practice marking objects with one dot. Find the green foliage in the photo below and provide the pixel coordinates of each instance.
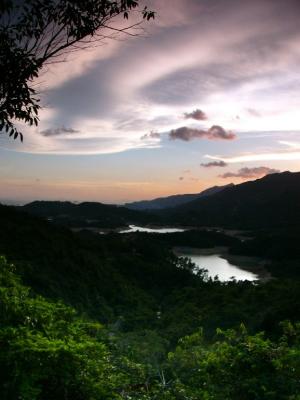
(238, 367)
(46, 351)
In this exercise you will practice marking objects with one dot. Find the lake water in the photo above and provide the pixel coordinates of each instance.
(134, 228)
(216, 265)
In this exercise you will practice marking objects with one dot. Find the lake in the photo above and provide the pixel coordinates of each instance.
(216, 265)
(134, 228)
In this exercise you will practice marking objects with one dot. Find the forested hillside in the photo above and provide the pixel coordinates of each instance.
(145, 299)
(269, 202)
(129, 278)
(48, 352)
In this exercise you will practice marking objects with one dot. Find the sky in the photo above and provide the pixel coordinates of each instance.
(207, 94)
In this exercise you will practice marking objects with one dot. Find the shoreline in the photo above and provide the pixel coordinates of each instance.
(247, 263)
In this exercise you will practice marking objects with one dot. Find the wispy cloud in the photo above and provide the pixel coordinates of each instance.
(292, 145)
(197, 114)
(248, 173)
(290, 153)
(213, 164)
(214, 133)
(253, 112)
(185, 64)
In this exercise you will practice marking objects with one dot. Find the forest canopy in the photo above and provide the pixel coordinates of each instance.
(48, 352)
(119, 316)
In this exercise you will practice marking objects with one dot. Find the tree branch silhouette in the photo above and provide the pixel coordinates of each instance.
(35, 33)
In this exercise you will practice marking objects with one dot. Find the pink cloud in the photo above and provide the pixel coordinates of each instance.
(248, 173)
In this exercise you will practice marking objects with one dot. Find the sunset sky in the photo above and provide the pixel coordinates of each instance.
(208, 95)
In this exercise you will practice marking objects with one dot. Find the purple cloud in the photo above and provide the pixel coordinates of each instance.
(197, 114)
(214, 164)
(151, 135)
(58, 131)
(214, 133)
(253, 112)
(247, 173)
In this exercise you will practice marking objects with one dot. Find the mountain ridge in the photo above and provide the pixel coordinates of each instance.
(160, 203)
(266, 202)
(271, 201)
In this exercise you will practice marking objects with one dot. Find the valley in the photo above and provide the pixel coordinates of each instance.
(154, 283)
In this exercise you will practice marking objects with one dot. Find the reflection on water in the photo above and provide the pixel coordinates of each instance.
(216, 265)
(134, 228)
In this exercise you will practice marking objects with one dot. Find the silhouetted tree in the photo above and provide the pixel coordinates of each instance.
(36, 32)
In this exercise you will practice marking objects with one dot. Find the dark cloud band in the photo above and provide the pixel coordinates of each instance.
(58, 131)
(186, 134)
(197, 114)
(213, 164)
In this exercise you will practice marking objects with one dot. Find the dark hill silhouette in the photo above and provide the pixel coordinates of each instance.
(272, 201)
(175, 200)
(87, 214)
(269, 202)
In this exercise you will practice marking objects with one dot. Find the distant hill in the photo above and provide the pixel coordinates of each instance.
(272, 201)
(269, 202)
(88, 214)
(173, 201)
